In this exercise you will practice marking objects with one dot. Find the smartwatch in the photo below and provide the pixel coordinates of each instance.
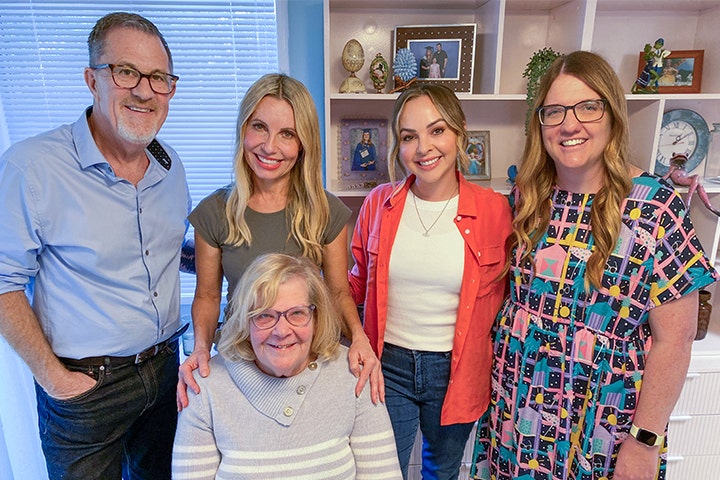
(646, 437)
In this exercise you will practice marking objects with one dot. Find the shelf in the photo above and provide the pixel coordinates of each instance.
(653, 5)
(672, 96)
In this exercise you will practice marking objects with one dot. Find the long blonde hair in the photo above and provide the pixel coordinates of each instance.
(258, 290)
(450, 109)
(307, 211)
(537, 174)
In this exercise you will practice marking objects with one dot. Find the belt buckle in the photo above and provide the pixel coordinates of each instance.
(147, 354)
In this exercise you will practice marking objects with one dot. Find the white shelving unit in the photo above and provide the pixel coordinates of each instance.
(508, 32)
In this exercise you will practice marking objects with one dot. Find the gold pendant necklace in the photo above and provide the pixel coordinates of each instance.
(427, 229)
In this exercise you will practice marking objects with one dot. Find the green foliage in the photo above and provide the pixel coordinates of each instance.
(535, 69)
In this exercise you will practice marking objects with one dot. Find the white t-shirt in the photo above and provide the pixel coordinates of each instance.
(425, 277)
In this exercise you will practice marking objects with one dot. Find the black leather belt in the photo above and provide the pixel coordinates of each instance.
(141, 357)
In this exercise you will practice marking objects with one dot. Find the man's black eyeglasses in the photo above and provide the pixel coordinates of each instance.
(128, 77)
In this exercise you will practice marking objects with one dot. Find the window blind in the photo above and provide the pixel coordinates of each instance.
(219, 49)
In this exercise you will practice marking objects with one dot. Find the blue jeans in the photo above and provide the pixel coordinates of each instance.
(123, 427)
(415, 386)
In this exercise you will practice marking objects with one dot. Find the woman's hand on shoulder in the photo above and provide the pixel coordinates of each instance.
(365, 365)
(199, 359)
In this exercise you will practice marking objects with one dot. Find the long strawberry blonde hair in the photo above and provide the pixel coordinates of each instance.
(537, 175)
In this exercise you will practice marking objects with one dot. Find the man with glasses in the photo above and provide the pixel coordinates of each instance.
(92, 224)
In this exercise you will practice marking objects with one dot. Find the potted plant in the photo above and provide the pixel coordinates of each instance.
(534, 70)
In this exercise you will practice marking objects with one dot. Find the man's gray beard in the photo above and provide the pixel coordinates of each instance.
(131, 136)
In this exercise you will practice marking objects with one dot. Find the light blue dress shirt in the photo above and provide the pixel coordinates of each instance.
(104, 254)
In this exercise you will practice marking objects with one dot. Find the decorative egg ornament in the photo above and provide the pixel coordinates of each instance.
(353, 58)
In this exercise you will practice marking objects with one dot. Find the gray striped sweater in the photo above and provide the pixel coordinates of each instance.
(245, 424)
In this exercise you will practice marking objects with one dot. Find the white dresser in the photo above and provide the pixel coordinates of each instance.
(694, 445)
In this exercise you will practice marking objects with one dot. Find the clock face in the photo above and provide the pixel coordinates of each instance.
(683, 132)
(677, 137)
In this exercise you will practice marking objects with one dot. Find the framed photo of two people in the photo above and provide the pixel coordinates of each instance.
(444, 53)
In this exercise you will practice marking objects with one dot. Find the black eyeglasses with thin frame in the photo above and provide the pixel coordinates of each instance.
(586, 111)
(297, 316)
(128, 77)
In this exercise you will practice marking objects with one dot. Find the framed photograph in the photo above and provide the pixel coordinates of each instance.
(444, 53)
(681, 71)
(478, 151)
(363, 152)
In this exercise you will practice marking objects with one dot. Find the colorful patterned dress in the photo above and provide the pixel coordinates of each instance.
(569, 364)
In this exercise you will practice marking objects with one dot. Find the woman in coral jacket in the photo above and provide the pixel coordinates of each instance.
(429, 254)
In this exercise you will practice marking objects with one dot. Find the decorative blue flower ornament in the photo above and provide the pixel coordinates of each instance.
(405, 65)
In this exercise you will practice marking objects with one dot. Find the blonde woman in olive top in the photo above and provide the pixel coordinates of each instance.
(276, 204)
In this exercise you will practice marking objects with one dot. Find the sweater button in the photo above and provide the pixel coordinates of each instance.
(301, 390)
(288, 411)
(312, 366)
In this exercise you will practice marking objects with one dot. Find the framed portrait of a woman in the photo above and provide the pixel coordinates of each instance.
(363, 152)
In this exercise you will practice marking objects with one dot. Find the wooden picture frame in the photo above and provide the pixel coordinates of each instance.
(363, 166)
(456, 41)
(478, 151)
(681, 71)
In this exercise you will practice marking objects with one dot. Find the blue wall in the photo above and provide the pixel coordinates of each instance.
(307, 63)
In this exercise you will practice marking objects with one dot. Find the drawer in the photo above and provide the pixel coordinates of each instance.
(694, 435)
(705, 467)
(700, 394)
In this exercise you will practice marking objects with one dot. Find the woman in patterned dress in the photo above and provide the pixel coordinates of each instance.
(594, 340)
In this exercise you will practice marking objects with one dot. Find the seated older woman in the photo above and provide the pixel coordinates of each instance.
(279, 401)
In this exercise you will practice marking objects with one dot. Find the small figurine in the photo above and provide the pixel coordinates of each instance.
(679, 176)
(512, 173)
(654, 56)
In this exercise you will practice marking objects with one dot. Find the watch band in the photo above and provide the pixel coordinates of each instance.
(647, 437)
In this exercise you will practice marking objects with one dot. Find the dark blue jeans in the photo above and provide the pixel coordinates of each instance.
(415, 386)
(123, 427)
